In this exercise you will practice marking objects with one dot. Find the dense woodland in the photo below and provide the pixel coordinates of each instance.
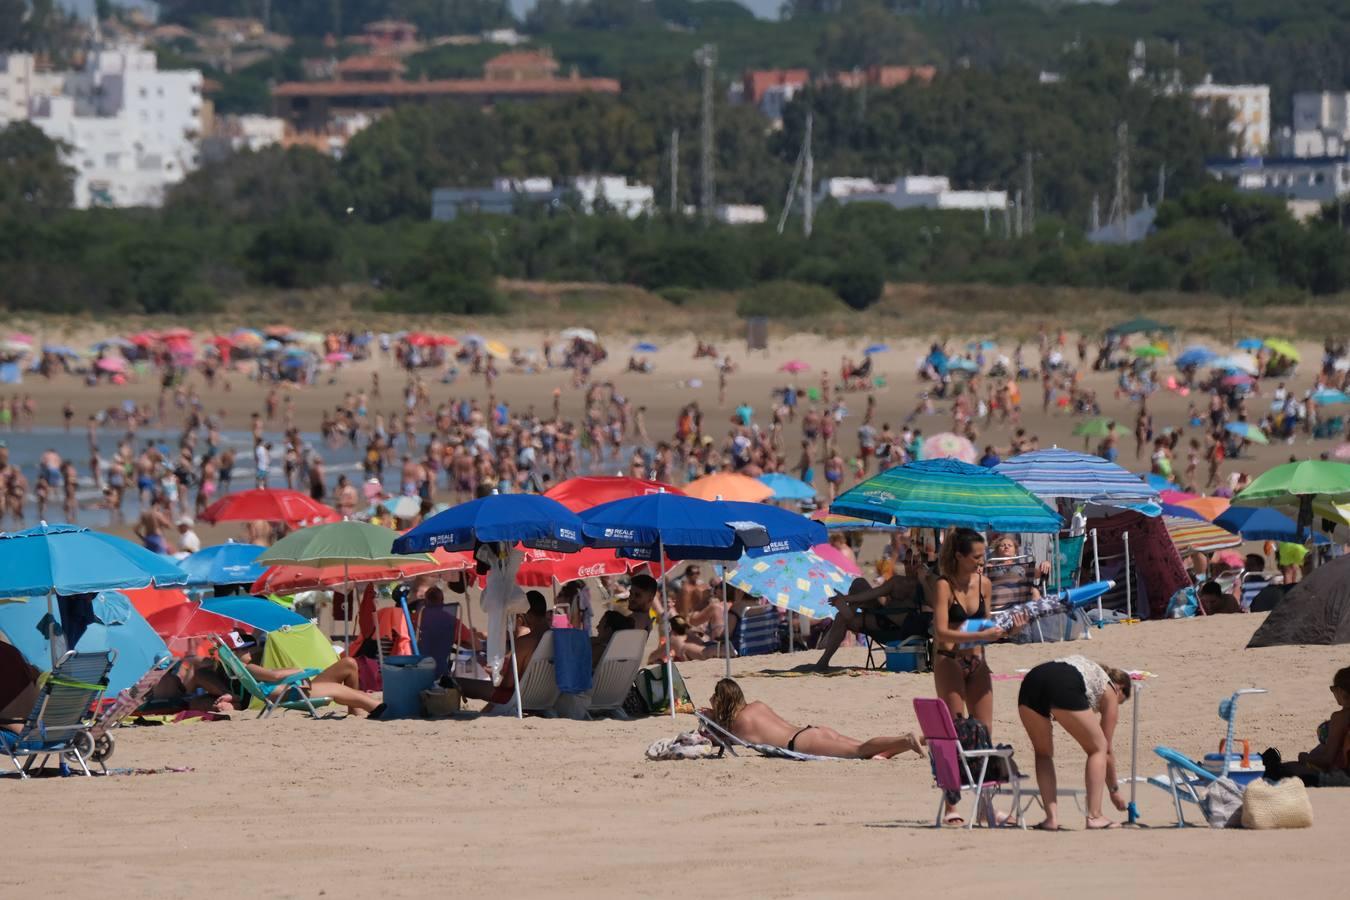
(296, 219)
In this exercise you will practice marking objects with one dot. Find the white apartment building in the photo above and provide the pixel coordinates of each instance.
(911, 192)
(1321, 124)
(628, 199)
(132, 129)
(1248, 106)
(21, 83)
(237, 134)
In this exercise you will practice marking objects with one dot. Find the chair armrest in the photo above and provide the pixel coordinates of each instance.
(997, 751)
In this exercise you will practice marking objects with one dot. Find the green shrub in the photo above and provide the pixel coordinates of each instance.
(787, 300)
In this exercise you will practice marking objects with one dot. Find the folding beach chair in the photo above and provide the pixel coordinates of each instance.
(293, 696)
(952, 765)
(728, 742)
(127, 701)
(539, 691)
(58, 724)
(614, 674)
(757, 632)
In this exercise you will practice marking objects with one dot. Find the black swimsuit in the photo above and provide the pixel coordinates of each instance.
(792, 741)
(956, 614)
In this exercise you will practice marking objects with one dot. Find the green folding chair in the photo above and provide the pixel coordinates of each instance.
(294, 695)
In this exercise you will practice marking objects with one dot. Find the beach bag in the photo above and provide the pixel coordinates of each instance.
(1277, 804)
(974, 736)
(1221, 804)
(651, 686)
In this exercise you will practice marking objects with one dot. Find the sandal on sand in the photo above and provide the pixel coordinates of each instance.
(954, 820)
(1107, 827)
(1045, 827)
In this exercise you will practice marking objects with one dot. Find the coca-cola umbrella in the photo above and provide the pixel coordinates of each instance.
(291, 508)
(586, 491)
(543, 568)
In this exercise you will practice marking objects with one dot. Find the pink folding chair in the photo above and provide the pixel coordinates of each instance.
(952, 765)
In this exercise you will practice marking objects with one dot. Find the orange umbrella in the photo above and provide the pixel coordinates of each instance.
(729, 486)
(149, 601)
(1209, 507)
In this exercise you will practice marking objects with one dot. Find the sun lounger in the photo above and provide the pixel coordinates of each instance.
(539, 691)
(294, 696)
(58, 724)
(952, 765)
(729, 742)
(614, 674)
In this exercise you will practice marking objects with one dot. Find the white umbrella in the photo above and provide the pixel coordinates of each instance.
(579, 334)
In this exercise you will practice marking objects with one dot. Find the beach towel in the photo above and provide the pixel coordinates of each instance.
(685, 745)
(572, 660)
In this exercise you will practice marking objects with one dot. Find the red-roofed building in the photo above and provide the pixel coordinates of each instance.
(521, 65)
(758, 82)
(884, 76)
(369, 68)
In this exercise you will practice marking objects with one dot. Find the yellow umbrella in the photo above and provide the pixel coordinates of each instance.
(1283, 348)
(497, 349)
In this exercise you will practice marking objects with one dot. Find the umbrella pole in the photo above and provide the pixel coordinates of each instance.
(51, 628)
(726, 619)
(1097, 571)
(1129, 581)
(665, 623)
(347, 609)
(515, 663)
(412, 632)
(1134, 752)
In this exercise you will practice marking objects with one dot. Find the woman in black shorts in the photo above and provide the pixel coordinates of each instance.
(1085, 698)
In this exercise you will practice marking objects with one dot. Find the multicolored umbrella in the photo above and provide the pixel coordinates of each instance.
(798, 582)
(1189, 534)
(1209, 507)
(1247, 431)
(946, 445)
(937, 493)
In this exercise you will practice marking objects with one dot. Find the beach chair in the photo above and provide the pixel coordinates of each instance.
(1251, 584)
(294, 695)
(538, 683)
(58, 724)
(757, 632)
(728, 743)
(614, 674)
(127, 701)
(438, 634)
(952, 765)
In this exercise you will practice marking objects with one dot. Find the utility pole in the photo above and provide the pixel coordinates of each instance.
(1020, 217)
(808, 181)
(675, 172)
(1120, 203)
(706, 56)
(1162, 183)
(986, 210)
(1028, 196)
(1095, 215)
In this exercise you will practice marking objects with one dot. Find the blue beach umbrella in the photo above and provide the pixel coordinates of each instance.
(1330, 397)
(1262, 524)
(797, 582)
(1053, 473)
(108, 621)
(1250, 344)
(1159, 483)
(872, 349)
(223, 564)
(646, 347)
(68, 559)
(1195, 356)
(1247, 430)
(785, 487)
(255, 612)
(536, 521)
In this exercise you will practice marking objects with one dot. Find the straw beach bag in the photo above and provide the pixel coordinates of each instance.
(1282, 804)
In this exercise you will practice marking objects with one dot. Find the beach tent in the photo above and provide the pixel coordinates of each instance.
(1314, 611)
(1137, 553)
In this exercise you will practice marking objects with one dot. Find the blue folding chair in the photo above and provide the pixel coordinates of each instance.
(1185, 777)
(59, 722)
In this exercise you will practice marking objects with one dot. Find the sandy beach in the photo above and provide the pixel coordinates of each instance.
(496, 807)
(296, 808)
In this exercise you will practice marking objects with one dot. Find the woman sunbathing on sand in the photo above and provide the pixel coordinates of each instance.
(757, 723)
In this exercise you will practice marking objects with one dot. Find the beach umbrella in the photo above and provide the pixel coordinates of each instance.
(579, 334)
(117, 342)
(837, 522)
(1100, 427)
(1210, 508)
(1329, 397)
(294, 509)
(544, 568)
(334, 544)
(1299, 484)
(946, 445)
(803, 582)
(786, 487)
(1262, 524)
(668, 526)
(872, 349)
(1237, 380)
(1188, 534)
(1342, 451)
(402, 506)
(1247, 431)
(151, 600)
(729, 486)
(108, 621)
(255, 612)
(831, 554)
(288, 580)
(1149, 351)
(497, 350)
(1158, 482)
(1236, 362)
(1250, 344)
(11, 346)
(1195, 356)
(20, 337)
(1174, 511)
(529, 519)
(645, 347)
(795, 366)
(176, 334)
(337, 357)
(982, 345)
(1283, 348)
(68, 559)
(1054, 473)
(112, 364)
(961, 364)
(586, 491)
(938, 493)
(181, 627)
(61, 350)
(228, 563)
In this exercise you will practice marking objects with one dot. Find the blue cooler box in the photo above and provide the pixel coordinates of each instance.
(405, 678)
(1241, 775)
(909, 655)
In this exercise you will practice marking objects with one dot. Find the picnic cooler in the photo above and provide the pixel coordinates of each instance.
(1243, 768)
(909, 655)
(405, 678)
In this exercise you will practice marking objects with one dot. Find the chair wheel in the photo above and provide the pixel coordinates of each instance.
(83, 744)
(103, 748)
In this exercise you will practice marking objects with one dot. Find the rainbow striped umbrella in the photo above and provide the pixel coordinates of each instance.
(1189, 534)
(937, 493)
(797, 582)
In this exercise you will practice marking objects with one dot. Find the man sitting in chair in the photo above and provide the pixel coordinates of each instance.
(873, 611)
(537, 624)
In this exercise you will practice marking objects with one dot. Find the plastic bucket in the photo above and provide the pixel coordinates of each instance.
(405, 678)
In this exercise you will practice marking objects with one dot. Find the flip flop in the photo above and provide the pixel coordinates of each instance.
(1042, 827)
(1107, 827)
(954, 820)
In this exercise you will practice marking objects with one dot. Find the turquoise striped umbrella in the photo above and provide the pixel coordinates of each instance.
(938, 493)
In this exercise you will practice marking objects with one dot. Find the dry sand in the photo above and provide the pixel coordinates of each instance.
(495, 807)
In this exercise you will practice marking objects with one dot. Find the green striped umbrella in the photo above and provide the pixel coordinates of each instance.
(937, 493)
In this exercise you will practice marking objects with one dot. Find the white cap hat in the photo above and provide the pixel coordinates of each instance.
(186, 520)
